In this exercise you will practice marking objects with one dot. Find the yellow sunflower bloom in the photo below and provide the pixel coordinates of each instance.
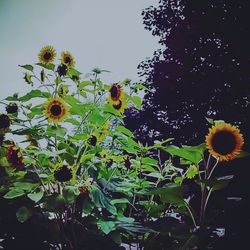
(120, 105)
(47, 55)
(224, 141)
(116, 93)
(67, 59)
(56, 110)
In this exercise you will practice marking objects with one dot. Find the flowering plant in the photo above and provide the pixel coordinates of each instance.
(68, 161)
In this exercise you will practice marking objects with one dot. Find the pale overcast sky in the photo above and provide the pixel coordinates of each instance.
(99, 33)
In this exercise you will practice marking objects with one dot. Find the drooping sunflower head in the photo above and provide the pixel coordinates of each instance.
(116, 93)
(56, 110)
(92, 140)
(4, 123)
(224, 141)
(47, 55)
(11, 108)
(121, 105)
(63, 172)
(67, 59)
(62, 70)
(14, 156)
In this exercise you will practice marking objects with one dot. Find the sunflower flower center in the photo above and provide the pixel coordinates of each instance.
(56, 110)
(118, 106)
(223, 142)
(114, 91)
(67, 60)
(47, 55)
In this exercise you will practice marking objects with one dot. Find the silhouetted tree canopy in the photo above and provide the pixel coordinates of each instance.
(201, 69)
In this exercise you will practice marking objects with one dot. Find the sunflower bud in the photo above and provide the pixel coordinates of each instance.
(63, 90)
(27, 78)
(42, 75)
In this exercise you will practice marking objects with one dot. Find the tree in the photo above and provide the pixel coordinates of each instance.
(201, 69)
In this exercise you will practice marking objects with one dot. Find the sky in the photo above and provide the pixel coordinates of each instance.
(99, 33)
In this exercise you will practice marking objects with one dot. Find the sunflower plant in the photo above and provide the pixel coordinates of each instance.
(68, 161)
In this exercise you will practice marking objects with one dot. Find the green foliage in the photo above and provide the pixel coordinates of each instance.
(80, 167)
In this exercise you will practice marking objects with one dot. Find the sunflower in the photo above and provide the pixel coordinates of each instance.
(92, 140)
(62, 70)
(63, 172)
(56, 110)
(116, 93)
(120, 106)
(47, 55)
(224, 141)
(4, 123)
(14, 156)
(67, 59)
(11, 108)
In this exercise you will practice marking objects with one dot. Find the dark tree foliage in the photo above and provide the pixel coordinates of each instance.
(201, 70)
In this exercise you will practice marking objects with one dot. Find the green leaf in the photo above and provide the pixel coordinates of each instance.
(27, 66)
(125, 131)
(193, 154)
(140, 86)
(13, 193)
(49, 66)
(111, 110)
(106, 226)
(100, 200)
(192, 171)
(36, 196)
(70, 193)
(119, 201)
(26, 186)
(56, 131)
(23, 214)
(137, 101)
(171, 193)
(84, 84)
(95, 117)
(33, 94)
(149, 161)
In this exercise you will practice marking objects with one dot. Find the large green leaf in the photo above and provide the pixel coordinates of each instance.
(100, 200)
(193, 154)
(33, 94)
(37, 196)
(27, 66)
(13, 193)
(170, 193)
